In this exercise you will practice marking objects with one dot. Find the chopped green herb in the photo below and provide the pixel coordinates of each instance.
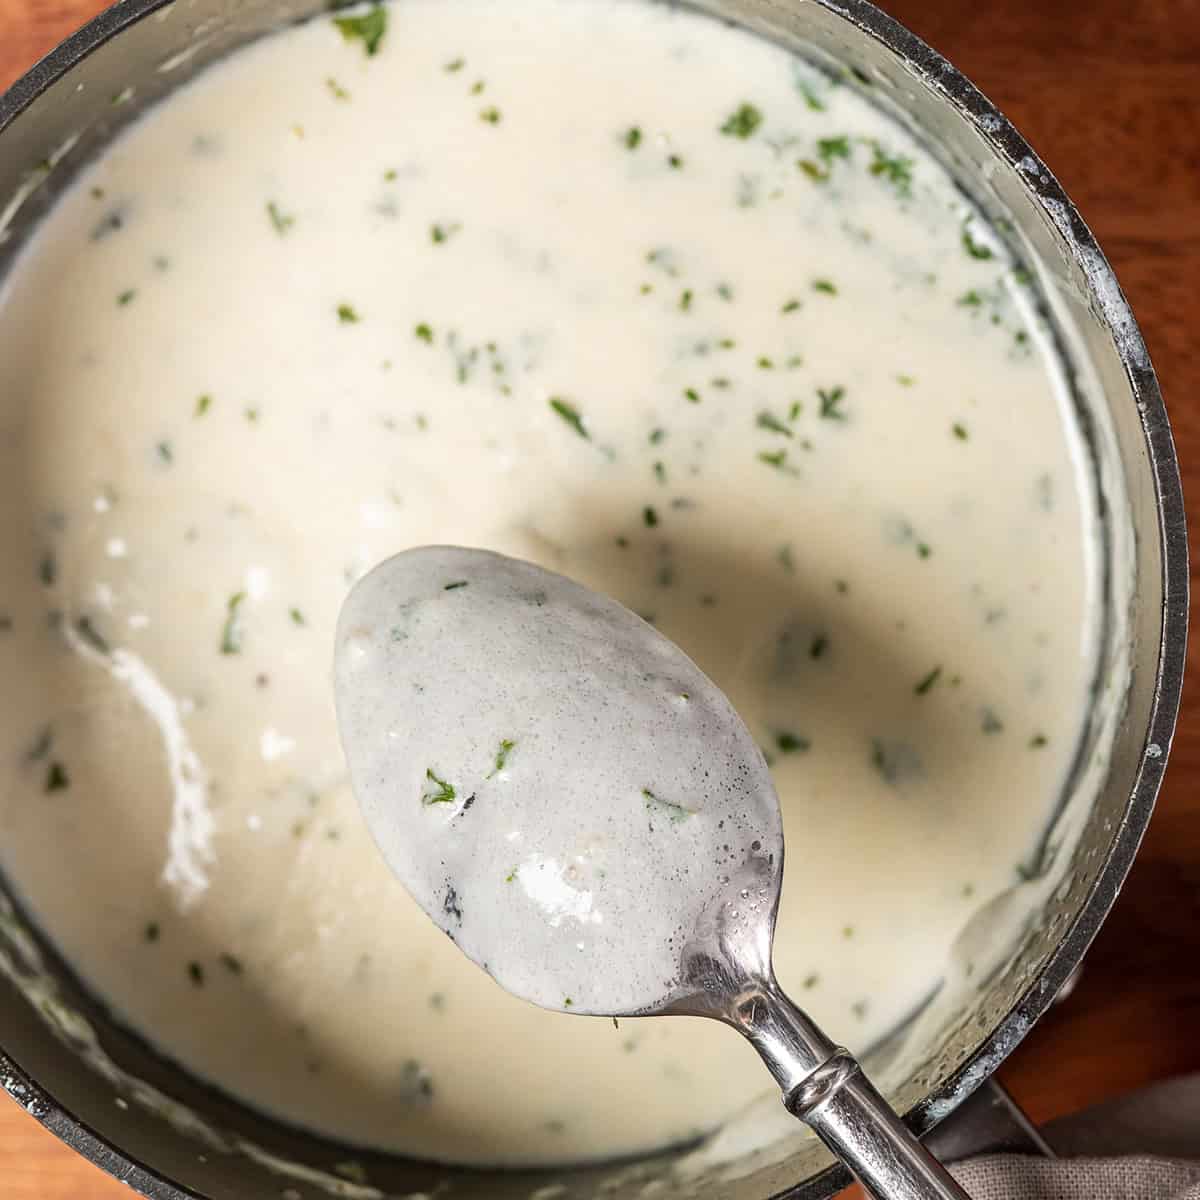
(506, 747)
(905, 380)
(790, 306)
(369, 28)
(971, 299)
(390, 175)
(251, 414)
(649, 517)
(232, 964)
(811, 98)
(455, 64)
(567, 1002)
(491, 115)
(676, 812)
(960, 431)
(1038, 741)
(203, 404)
(656, 436)
(442, 793)
(742, 122)
(685, 300)
(48, 569)
(923, 550)
(42, 747)
(764, 363)
(783, 556)
(895, 761)
(196, 974)
(424, 333)
(442, 233)
(297, 616)
(660, 472)
(571, 415)
(774, 458)
(824, 285)
(979, 250)
(57, 779)
(126, 297)
(512, 875)
(831, 401)
(455, 585)
(675, 162)
(89, 634)
(231, 632)
(896, 171)
(347, 315)
(151, 932)
(791, 743)
(811, 981)
(816, 173)
(927, 683)
(725, 291)
(769, 421)
(819, 645)
(164, 452)
(633, 138)
(834, 147)
(989, 722)
(336, 89)
(692, 395)
(280, 221)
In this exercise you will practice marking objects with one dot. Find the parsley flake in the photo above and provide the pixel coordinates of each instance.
(441, 792)
(571, 415)
(368, 27)
(742, 122)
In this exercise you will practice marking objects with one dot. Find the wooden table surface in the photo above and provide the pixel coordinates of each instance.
(1110, 97)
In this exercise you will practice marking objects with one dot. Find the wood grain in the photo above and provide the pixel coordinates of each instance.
(1108, 94)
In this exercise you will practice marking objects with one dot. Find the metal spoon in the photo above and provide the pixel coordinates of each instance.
(415, 637)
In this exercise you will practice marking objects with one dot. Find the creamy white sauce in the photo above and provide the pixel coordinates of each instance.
(561, 789)
(314, 310)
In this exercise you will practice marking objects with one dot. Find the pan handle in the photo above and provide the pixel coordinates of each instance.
(988, 1121)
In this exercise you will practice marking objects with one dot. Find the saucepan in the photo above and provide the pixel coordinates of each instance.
(112, 1098)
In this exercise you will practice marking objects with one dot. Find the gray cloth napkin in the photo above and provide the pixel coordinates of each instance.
(1132, 1177)
(1145, 1146)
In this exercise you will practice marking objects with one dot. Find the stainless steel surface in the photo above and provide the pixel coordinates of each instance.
(727, 976)
(151, 46)
(858, 1125)
(988, 1121)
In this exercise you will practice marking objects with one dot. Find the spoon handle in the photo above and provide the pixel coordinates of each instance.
(824, 1087)
(842, 1107)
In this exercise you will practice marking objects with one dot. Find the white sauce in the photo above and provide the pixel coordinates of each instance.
(286, 327)
(556, 785)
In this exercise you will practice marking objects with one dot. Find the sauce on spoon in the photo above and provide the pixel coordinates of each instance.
(560, 788)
